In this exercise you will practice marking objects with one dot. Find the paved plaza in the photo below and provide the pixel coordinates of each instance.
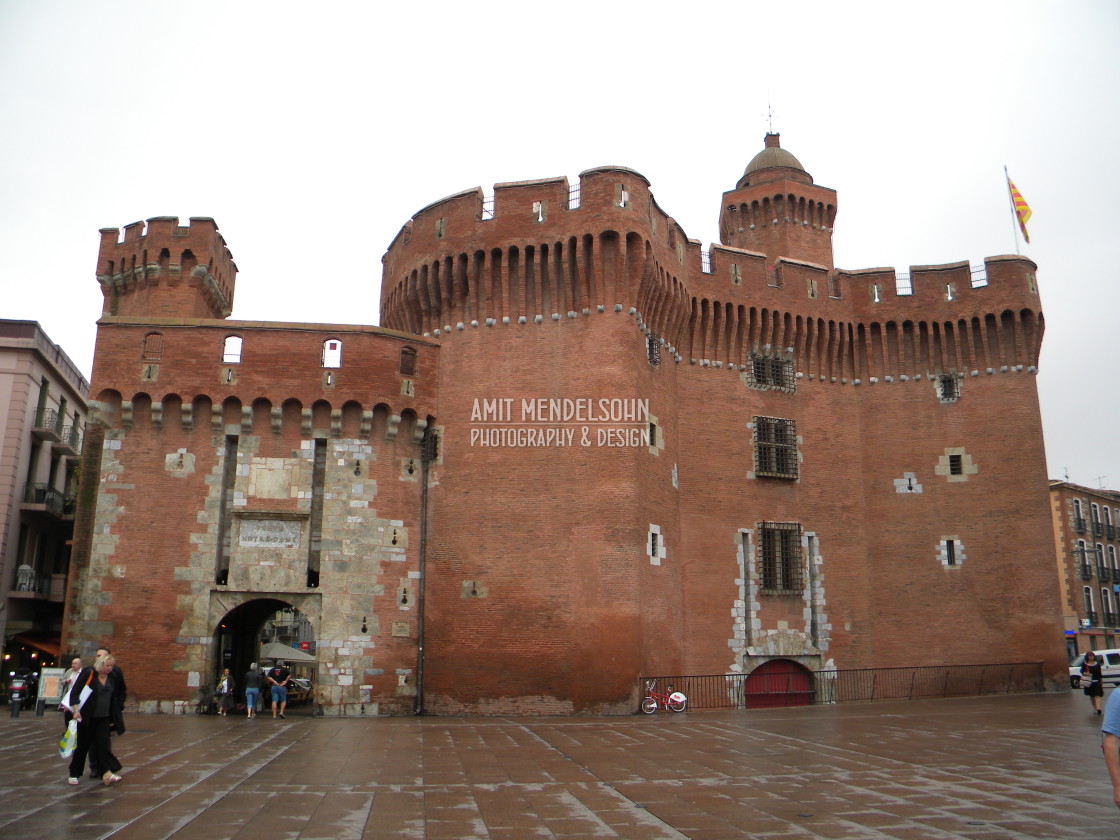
(1022, 766)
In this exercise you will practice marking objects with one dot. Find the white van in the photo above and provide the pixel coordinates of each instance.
(1110, 668)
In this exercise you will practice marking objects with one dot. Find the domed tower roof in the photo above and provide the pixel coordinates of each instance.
(773, 163)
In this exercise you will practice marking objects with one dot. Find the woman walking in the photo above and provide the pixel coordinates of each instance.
(252, 690)
(1092, 680)
(95, 713)
(223, 693)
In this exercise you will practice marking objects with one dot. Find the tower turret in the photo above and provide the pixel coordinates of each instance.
(164, 269)
(777, 210)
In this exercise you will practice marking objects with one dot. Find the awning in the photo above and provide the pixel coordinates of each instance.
(42, 641)
(278, 650)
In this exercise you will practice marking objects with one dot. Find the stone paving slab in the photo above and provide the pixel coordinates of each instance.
(1022, 767)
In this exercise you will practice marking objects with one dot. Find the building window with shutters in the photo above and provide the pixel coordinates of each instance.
(408, 361)
(152, 349)
(332, 353)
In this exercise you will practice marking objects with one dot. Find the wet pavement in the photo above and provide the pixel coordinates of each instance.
(1023, 766)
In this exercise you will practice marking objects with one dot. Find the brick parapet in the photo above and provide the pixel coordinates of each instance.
(160, 267)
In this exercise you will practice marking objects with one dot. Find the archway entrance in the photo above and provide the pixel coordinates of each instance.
(265, 630)
(778, 682)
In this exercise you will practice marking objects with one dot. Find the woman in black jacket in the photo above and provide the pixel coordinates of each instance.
(1092, 681)
(95, 701)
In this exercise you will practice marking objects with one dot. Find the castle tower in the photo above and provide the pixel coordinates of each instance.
(163, 269)
(777, 210)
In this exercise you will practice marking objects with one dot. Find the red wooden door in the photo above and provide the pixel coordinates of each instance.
(779, 682)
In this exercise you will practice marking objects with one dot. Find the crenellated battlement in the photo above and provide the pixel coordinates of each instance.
(162, 268)
(465, 262)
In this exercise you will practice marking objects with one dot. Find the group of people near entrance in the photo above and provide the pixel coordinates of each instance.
(94, 697)
(276, 680)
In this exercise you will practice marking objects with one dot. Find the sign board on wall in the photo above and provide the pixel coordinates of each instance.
(269, 533)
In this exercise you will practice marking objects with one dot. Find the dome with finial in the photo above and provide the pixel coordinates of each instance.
(773, 163)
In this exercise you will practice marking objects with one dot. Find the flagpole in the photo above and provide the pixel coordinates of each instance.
(1014, 215)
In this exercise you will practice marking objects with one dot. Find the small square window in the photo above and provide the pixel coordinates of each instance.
(956, 465)
(948, 388)
(769, 372)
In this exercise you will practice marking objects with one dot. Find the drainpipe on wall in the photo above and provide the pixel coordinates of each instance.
(429, 445)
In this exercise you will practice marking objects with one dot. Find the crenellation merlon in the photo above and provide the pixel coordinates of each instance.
(1004, 282)
(160, 254)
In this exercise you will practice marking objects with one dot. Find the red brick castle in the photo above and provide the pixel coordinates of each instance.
(579, 449)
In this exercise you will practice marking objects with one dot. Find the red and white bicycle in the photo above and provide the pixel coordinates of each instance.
(674, 701)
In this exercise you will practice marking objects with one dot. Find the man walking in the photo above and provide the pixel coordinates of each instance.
(278, 678)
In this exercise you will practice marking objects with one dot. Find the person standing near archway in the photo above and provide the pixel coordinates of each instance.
(278, 679)
(252, 690)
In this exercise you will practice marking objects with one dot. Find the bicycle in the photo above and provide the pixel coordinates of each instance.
(674, 701)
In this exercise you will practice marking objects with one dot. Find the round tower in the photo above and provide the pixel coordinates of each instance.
(777, 210)
(553, 550)
(163, 269)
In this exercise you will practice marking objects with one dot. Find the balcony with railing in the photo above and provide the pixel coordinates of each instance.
(1079, 524)
(1110, 531)
(1098, 529)
(1104, 573)
(1109, 618)
(1086, 571)
(69, 441)
(1092, 617)
(42, 498)
(32, 584)
(47, 426)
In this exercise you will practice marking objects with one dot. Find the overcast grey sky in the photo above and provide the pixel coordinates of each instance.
(312, 132)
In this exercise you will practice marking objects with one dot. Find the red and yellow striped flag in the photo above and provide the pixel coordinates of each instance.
(1022, 210)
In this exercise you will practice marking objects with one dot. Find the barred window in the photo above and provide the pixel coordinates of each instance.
(775, 447)
(780, 557)
(767, 372)
(948, 388)
(653, 349)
